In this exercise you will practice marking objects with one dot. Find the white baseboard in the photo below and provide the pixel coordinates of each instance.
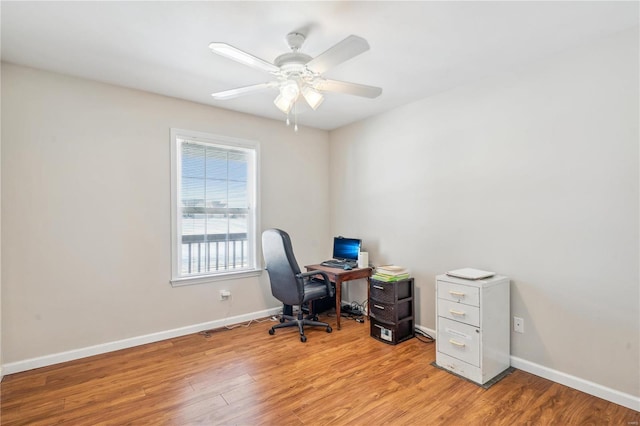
(429, 331)
(611, 395)
(43, 361)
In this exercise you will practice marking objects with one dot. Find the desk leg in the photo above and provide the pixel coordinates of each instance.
(368, 295)
(338, 302)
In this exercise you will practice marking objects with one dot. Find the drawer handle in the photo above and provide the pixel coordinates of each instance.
(378, 287)
(456, 293)
(455, 342)
(379, 307)
(457, 312)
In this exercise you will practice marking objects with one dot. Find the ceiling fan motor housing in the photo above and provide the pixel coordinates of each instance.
(295, 40)
(292, 62)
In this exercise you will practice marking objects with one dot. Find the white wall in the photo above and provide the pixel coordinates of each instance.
(86, 211)
(533, 174)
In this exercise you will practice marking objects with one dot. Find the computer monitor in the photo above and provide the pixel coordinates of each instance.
(346, 248)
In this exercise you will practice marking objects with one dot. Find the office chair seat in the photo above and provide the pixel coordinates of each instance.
(291, 286)
(314, 289)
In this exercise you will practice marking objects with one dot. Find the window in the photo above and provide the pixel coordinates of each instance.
(214, 207)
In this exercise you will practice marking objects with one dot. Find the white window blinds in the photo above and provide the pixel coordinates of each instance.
(215, 213)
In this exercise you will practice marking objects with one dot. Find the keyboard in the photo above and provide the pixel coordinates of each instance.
(335, 263)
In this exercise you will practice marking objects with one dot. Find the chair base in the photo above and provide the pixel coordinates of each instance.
(300, 322)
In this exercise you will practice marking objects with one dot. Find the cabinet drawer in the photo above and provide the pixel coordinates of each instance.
(461, 368)
(459, 293)
(392, 334)
(391, 292)
(389, 312)
(459, 312)
(459, 340)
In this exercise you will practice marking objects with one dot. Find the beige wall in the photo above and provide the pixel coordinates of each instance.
(86, 211)
(533, 174)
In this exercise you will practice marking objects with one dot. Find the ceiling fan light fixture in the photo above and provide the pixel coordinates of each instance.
(283, 103)
(289, 92)
(290, 89)
(312, 96)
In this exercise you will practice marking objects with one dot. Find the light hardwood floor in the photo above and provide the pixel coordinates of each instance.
(245, 376)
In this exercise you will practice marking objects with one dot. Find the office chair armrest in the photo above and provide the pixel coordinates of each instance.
(325, 278)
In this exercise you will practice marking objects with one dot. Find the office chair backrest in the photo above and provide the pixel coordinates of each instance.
(282, 267)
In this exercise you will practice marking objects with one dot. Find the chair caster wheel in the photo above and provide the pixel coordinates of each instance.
(272, 331)
(281, 319)
(329, 329)
(303, 339)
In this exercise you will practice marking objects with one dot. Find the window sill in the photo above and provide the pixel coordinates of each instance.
(206, 279)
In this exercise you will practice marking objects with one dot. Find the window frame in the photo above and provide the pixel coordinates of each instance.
(255, 268)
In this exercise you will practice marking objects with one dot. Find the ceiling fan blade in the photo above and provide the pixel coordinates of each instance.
(343, 51)
(245, 58)
(349, 88)
(246, 90)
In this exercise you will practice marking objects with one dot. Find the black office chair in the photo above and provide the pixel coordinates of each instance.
(289, 285)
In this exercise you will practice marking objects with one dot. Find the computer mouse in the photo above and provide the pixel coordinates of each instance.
(347, 267)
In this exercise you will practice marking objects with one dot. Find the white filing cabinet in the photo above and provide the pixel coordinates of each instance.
(472, 321)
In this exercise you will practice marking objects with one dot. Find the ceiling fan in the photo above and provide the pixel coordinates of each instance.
(297, 74)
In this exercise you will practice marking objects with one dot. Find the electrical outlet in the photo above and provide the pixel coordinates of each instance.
(518, 325)
(225, 294)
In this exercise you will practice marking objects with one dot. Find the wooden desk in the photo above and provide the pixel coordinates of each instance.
(338, 276)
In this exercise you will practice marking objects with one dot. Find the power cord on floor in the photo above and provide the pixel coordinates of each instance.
(359, 307)
(346, 315)
(423, 337)
(354, 309)
(208, 333)
(231, 327)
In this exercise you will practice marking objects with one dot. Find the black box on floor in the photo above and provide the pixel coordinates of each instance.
(320, 305)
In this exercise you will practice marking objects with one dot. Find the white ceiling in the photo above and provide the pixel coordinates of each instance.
(417, 48)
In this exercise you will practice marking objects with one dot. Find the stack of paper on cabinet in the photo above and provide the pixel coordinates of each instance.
(390, 273)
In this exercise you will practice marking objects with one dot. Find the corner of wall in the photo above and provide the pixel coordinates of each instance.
(1, 373)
